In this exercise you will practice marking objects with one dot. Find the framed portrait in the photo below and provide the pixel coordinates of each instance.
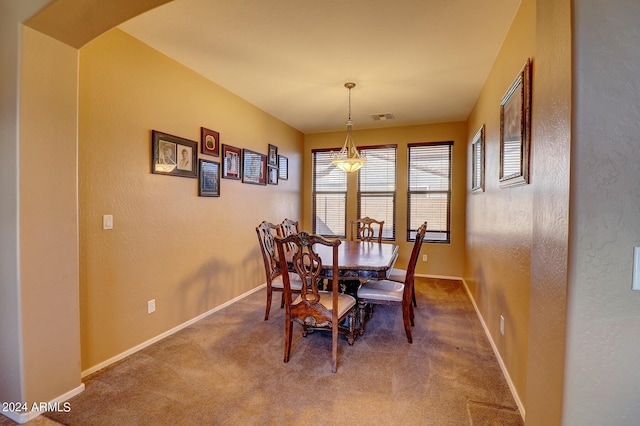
(231, 162)
(273, 175)
(173, 155)
(209, 179)
(477, 161)
(283, 166)
(515, 130)
(254, 167)
(209, 142)
(273, 155)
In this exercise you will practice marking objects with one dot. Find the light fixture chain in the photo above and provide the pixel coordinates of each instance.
(349, 103)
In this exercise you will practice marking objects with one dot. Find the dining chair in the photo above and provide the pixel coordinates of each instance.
(312, 308)
(365, 231)
(400, 275)
(373, 292)
(265, 233)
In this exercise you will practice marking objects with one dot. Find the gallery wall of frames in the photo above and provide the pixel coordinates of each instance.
(176, 156)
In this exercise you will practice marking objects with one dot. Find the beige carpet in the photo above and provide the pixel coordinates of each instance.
(227, 369)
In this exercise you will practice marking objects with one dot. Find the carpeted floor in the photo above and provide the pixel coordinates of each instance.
(227, 369)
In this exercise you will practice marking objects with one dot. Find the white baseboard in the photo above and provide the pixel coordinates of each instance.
(442, 277)
(512, 387)
(33, 413)
(166, 333)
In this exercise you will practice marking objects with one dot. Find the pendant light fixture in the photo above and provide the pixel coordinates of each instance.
(348, 159)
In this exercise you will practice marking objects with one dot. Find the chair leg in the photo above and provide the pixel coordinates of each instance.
(282, 301)
(334, 347)
(287, 339)
(362, 309)
(413, 295)
(266, 314)
(411, 315)
(406, 313)
(351, 318)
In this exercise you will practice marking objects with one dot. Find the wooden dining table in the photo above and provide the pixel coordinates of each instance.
(359, 260)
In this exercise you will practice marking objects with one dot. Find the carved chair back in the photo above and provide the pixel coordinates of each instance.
(266, 232)
(286, 228)
(365, 229)
(307, 264)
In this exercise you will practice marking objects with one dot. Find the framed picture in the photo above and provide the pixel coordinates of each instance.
(273, 155)
(273, 175)
(209, 142)
(515, 130)
(231, 162)
(209, 179)
(477, 161)
(254, 167)
(283, 166)
(172, 155)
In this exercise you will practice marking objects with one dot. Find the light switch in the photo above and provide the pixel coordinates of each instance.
(107, 221)
(636, 269)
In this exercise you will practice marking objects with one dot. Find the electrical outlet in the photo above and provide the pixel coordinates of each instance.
(502, 325)
(424, 257)
(151, 306)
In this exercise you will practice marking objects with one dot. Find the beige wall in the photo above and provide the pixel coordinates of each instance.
(443, 259)
(12, 372)
(602, 384)
(49, 216)
(550, 245)
(500, 220)
(189, 253)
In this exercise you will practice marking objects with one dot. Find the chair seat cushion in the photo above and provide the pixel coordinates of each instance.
(294, 279)
(397, 275)
(345, 301)
(384, 290)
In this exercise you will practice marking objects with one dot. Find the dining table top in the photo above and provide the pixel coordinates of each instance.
(359, 259)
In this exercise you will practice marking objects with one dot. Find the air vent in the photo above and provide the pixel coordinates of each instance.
(382, 117)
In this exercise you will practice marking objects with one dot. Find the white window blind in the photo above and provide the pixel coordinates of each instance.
(377, 188)
(429, 195)
(329, 196)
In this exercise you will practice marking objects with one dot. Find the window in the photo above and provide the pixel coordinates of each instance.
(429, 196)
(329, 196)
(377, 188)
(477, 172)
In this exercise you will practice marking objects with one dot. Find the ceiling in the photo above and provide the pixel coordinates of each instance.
(424, 61)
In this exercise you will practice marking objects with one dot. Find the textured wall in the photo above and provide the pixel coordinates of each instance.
(551, 158)
(443, 259)
(49, 217)
(602, 384)
(189, 253)
(500, 220)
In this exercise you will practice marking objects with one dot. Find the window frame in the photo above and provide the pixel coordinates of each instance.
(394, 193)
(477, 161)
(447, 193)
(314, 193)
